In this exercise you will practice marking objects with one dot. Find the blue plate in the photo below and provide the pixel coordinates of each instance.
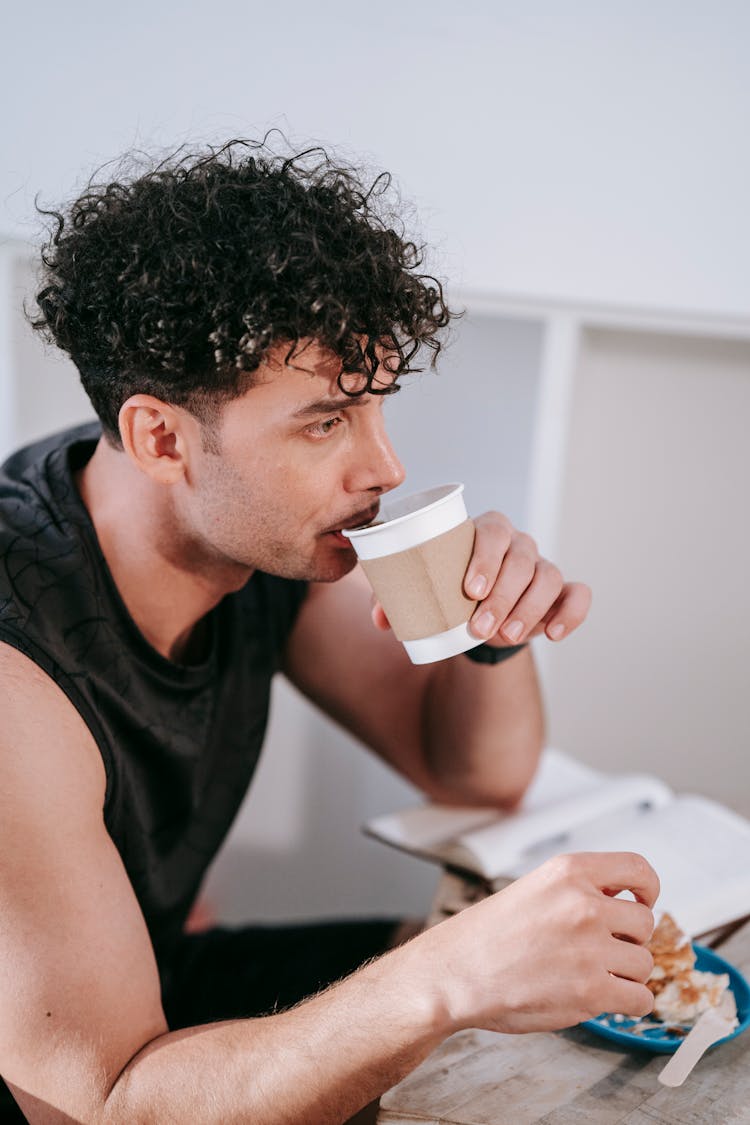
(660, 1038)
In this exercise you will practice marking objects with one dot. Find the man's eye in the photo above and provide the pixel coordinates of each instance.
(323, 429)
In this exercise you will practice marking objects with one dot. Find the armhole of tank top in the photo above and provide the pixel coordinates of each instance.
(18, 640)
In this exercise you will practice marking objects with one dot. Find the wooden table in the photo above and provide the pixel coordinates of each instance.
(571, 1077)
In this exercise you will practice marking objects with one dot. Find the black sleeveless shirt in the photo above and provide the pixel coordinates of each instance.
(179, 743)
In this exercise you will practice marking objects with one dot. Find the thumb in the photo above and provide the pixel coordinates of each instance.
(379, 619)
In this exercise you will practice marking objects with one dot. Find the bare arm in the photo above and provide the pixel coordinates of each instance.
(82, 1034)
(460, 731)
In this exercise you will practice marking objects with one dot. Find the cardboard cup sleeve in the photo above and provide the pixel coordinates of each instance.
(421, 588)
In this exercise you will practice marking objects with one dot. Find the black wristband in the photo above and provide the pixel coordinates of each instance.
(488, 654)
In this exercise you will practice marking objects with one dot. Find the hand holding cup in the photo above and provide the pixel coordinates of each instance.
(445, 583)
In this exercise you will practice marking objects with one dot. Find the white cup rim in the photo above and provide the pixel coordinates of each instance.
(444, 492)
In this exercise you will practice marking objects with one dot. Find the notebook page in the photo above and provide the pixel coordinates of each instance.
(699, 849)
(496, 848)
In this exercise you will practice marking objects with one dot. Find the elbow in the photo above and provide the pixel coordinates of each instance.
(116, 1108)
(122, 1104)
(498, 779)
(522, 774)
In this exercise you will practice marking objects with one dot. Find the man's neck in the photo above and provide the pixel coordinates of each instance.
(139, 536)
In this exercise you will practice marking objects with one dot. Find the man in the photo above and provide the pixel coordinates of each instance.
(237, 320)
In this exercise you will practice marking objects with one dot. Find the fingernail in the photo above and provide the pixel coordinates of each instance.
(555, 632)
(514, 630)
(484, 625)
(477, 586)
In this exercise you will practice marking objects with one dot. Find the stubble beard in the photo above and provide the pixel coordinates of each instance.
(316, 559)
(320, 567)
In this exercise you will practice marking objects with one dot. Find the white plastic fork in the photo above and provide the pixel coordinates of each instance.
(711, 1026)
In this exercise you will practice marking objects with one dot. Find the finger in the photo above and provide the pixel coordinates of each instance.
(630, 920)
(568, 612)
(491, 542)
(379, 619)
(530, 609)
(630, 961)
(613, 872)
(516, 574)
(629, 997)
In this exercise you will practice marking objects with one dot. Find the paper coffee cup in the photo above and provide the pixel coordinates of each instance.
(415, 556)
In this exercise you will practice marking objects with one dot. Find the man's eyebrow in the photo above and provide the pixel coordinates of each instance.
(329, 405)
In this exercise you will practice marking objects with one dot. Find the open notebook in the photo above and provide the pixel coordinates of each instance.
(700, 849)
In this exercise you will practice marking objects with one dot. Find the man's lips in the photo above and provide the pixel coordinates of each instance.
(360, 519)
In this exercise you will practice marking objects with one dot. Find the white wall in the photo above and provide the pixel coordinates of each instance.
(582, 150)
(40, 391)
(654, 498)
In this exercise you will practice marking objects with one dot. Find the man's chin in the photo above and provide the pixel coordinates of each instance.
(333, 566)
(326, 562)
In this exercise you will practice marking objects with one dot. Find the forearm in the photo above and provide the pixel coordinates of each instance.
(547, 952)
(483, 728)
(321, 1061)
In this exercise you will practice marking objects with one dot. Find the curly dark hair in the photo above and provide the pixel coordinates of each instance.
(176, 281)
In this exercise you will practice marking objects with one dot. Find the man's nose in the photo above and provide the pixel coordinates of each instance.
(378, 468)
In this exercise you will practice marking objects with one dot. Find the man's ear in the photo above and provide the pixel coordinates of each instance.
(155, 436)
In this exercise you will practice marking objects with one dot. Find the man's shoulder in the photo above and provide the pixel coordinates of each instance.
(33, 455)
(39, 508)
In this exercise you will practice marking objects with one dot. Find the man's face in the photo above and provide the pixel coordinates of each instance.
(298, 460)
